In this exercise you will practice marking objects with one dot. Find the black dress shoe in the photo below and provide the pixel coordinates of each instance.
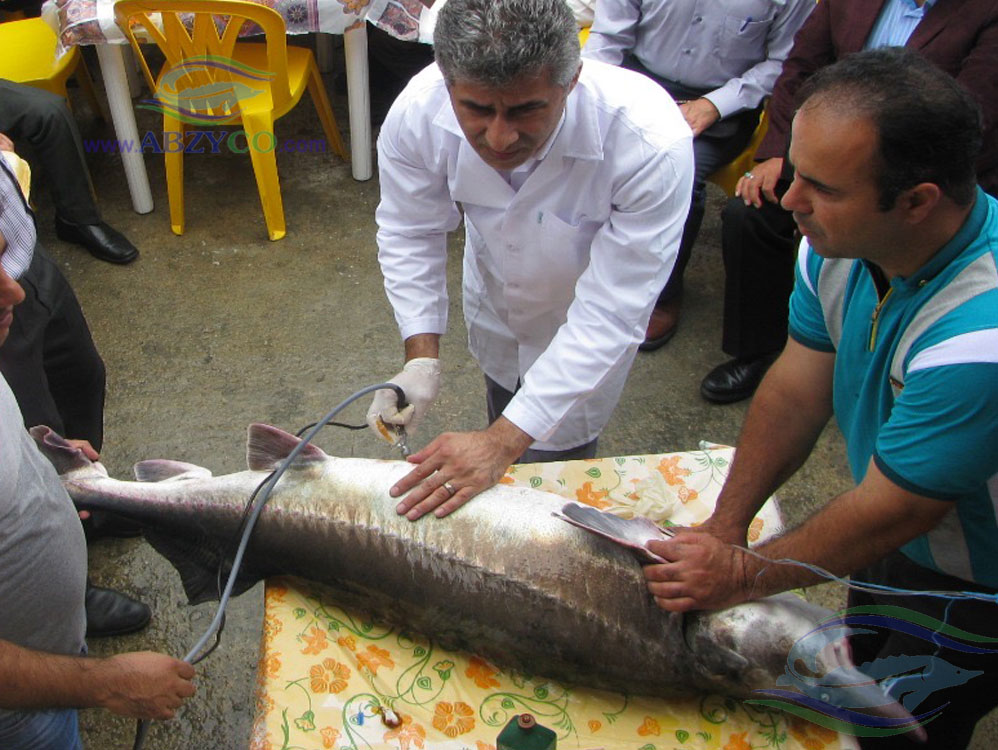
(736, 379)
(102, 524)
(103, 242)
(110, 613)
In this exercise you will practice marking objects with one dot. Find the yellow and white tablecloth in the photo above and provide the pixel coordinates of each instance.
(325, 674)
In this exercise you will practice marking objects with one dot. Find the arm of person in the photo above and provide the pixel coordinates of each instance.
(614, 31)
(141, 685)
(747, 90)
(790, 409)
(855, 529)
(470, 462)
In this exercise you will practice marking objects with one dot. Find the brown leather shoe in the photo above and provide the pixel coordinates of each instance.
(662, 325)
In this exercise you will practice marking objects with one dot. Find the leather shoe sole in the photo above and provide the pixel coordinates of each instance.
(111, 613)
(736, 379)
(101, 241)
(661, 326)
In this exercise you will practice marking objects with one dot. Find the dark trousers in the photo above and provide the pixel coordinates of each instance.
(964, 703)
(44, 121)
(712, 149)
(496, 399)
(50, 360)
(759, 248)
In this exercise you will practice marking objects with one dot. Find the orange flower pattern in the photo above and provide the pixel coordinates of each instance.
(810, 736)
(597, 498)
(329, 736)
(671, 471)
(595, 725)
(479, 745)
(271, 665)
(329, 677)
(686, 495)
(453, 719)
(316, 640)
(348, 642)
(755, 529)
(649, 727)
(375, 657)
(738, 742)
(483, 673)
(408, 734)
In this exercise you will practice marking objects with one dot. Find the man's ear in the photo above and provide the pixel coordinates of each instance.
(575, 79)
(918, 202)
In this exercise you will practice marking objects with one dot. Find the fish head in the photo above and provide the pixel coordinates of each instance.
(785, 641)
(69, 460)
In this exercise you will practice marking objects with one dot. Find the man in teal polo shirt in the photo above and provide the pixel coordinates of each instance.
(894, 330)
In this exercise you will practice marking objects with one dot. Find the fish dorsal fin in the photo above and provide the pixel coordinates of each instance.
(267, 446)
(161, 469)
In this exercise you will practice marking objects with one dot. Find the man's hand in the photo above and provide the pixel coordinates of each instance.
(456, 466)
(762, 184)
(420, 379)
(700, 114)
(145, 685)
(6, 144)
(700, 572)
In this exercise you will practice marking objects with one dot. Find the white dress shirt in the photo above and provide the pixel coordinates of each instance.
(733, 48)
(560, 275)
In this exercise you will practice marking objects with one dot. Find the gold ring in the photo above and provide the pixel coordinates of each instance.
(450, 488)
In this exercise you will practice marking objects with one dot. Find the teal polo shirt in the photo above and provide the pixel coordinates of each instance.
(916, 381)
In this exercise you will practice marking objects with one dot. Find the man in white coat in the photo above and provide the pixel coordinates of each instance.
(574, 181)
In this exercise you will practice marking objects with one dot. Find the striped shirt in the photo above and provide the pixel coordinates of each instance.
(17, 225)
(916, 385)
(897, 23)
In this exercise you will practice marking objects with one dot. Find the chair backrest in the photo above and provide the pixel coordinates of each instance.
(198, 39)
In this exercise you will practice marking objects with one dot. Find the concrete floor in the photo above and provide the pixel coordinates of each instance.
(218, 328)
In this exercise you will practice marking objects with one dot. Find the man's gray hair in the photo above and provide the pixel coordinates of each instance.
(494, 42)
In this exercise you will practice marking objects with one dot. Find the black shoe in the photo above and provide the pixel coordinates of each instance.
(103, 241)
(102, 524)
(736, 379)
(110, 613)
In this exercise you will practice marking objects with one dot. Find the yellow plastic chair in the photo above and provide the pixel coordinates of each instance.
(727, 176)
(28, 56)
(209, 78)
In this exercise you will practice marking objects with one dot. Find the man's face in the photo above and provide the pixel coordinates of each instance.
(11, 294)
(834, 195)
(508, 125)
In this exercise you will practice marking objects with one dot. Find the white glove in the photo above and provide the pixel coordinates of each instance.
(420, 379)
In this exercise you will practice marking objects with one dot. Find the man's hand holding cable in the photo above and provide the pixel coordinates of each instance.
(700, 572)
(760, 184)
(456, 466)
(420, 379)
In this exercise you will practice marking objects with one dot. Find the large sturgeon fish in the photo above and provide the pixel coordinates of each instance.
(502, 577)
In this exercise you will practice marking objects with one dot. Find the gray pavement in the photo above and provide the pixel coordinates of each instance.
(210, 331)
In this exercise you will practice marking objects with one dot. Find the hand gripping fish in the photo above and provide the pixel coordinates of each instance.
(502, 577)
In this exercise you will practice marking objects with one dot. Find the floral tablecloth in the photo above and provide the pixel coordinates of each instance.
(326, 677)
(92, 21)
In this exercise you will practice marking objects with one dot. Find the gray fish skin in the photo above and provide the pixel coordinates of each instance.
(502, 576)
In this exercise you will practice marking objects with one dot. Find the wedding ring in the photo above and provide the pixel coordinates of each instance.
(749, 175)
(451, 489)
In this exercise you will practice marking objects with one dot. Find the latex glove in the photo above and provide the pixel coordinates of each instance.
(420, 379)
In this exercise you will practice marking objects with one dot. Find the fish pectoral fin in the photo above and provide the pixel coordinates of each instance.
(267, 447)
(161, 469)
(197, 558)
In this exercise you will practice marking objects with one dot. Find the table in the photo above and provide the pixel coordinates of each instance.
(82, 22)
(323, 671)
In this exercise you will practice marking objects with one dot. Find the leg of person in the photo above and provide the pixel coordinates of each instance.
(40, 730)
(758, 249)
(44, 120)
(926, 675)
(50, 359)
(496, 399)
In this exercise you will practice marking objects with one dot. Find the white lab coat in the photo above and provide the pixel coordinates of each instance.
(559, 276)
